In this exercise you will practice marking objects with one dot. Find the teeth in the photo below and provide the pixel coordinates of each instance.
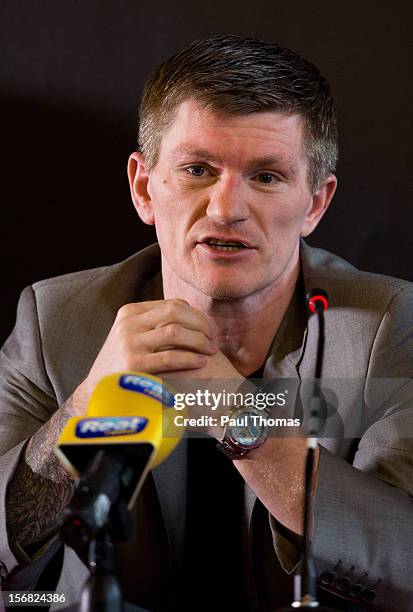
(220, 247)
(224, 243)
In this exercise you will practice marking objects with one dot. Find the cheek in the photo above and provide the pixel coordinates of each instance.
(282, 224)
(293, 210)
(284, 216)
(176, 207)
(169, 215)
(164, 203)
(167, 194)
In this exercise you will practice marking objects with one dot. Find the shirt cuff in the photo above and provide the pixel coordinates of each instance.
(13, 556)
(286, 549)
(8, 465)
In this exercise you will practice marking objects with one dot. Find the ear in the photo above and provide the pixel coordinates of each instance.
(138, 184)
(320, 201)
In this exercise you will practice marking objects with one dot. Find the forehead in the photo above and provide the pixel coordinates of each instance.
(265, 134)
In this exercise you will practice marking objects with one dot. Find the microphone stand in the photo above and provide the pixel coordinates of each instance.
(101, 591)
(96, 516)
(305, 578)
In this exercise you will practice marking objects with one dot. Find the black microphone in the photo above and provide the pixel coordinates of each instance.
(317, 299)
(317, 302)
(305, 579)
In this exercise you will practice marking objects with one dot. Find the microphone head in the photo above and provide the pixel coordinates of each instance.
(128, 430)
(317, 300)
(126, 409)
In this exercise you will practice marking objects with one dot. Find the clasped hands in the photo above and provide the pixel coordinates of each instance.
(168, 338)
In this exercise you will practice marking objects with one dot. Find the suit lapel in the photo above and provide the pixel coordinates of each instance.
(170, 480)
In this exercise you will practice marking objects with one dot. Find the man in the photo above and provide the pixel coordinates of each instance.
(237, 149)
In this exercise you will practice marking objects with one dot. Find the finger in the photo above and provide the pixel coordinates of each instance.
(176, 336)
(137, 308)
(166, 312)
(191, 318)
(168, 361)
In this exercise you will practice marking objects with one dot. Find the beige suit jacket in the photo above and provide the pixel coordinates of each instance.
(363, 514)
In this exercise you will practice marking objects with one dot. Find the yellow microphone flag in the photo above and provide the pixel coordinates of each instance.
(128, 410)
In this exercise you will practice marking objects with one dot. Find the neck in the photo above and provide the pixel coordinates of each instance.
(246, 326)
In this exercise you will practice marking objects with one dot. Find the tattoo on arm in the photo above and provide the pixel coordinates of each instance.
(40, 488)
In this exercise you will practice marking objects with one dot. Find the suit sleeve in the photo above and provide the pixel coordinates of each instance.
(364, 511)
(27, 401)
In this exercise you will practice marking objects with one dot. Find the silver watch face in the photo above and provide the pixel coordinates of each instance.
(246, 427)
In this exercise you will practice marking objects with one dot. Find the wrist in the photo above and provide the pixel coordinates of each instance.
(216, 430)
(77, 404)
(218, 427)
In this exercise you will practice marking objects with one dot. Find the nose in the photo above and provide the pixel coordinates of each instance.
(227, 203)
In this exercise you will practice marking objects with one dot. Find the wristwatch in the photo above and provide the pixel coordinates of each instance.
(245, 431)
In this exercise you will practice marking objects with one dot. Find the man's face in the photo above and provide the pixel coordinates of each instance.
(230, 198)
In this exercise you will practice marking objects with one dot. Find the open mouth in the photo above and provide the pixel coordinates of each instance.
(225, 245)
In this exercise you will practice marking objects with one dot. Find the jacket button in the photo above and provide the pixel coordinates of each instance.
(355, 589)
(368, 594)
(343, 584)
(328, 577)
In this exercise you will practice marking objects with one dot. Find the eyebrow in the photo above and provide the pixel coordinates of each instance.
(183, 151)
(256, 162)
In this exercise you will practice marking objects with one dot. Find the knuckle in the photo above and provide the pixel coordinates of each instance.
(124, 311)
(170, 310)
(165, 358)
(202, 339)
(171, 331)
(121, 335)
(174, 306)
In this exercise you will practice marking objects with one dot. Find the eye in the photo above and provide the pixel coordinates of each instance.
(196, 170)
(266, 178)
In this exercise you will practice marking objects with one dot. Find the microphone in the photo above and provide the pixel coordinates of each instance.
(127, 431)
(317, 299)
(317, 302)
(305, 579)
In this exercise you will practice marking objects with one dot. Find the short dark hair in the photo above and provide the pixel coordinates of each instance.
(234, 75)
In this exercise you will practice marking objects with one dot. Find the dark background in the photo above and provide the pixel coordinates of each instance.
(71, 73)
